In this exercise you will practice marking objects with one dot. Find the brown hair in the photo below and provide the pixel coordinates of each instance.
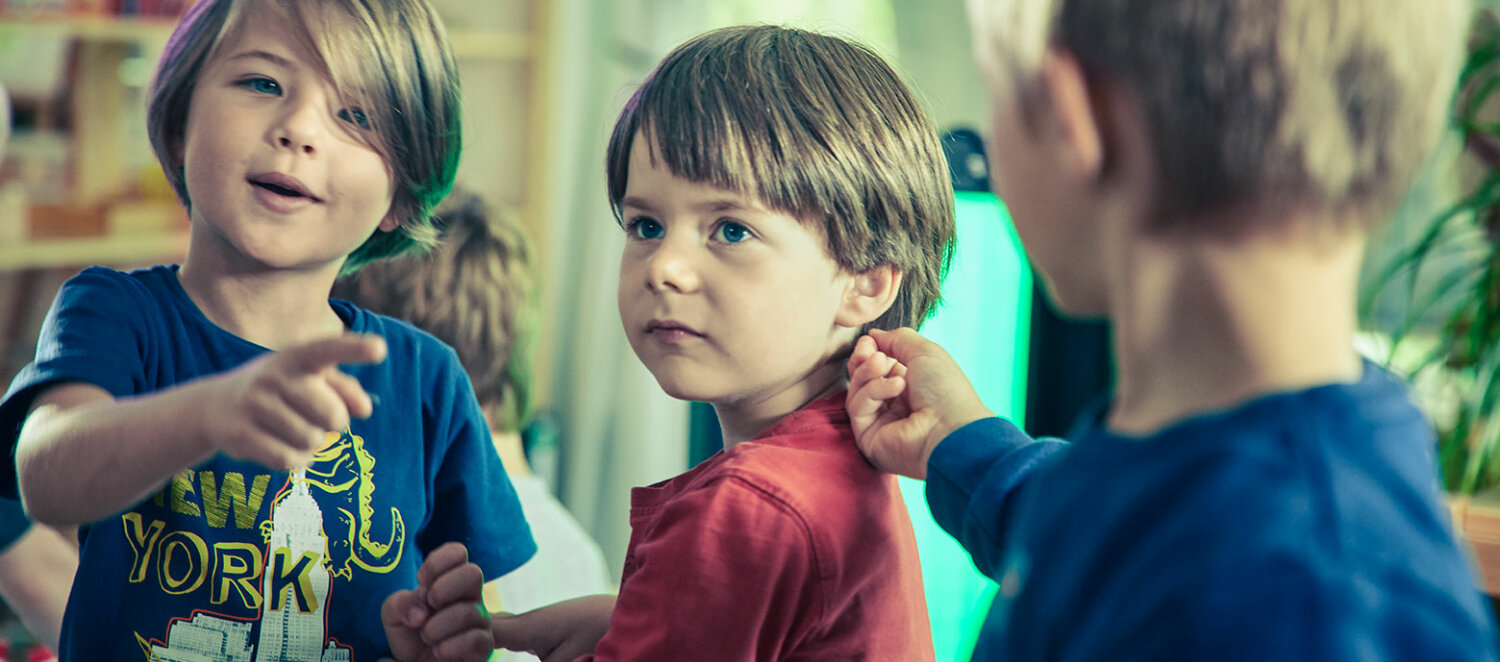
(389, 58)
(475, 291)
(1326, 103)
(813, 126)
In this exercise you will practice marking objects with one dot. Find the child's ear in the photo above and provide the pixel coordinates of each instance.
(389, 223)
(1078, 112)
(869, 294)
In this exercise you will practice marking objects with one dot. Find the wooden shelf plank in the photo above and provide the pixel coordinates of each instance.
(109, 250)
(468, 45)
(102, 28)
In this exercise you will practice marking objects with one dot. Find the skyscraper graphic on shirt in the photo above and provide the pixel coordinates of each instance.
(204, 637)
(295, 583)
(295, 586)
(296, 559)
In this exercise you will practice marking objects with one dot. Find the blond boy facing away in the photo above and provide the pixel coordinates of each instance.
(1204, 174)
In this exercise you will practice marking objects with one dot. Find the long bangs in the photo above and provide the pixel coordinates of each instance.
(391, 63)
(749, 137)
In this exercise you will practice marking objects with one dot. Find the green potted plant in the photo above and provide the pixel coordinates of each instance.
(1453, 318)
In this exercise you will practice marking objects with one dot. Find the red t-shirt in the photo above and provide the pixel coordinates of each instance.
(786, 547)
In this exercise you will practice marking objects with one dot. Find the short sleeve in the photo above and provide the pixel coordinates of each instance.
(90, 335)
(724, 573)
(473, 500)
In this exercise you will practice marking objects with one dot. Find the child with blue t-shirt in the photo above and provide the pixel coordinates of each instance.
(253, 466)
(1204, 175)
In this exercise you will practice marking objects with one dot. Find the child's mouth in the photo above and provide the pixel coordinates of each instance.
(671, 332)
(282, 185)
(280, 190)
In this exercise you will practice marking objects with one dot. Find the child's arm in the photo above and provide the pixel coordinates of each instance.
(83, 455)
(561, 632)
(36, 574)
(906, 395)
(444, 619)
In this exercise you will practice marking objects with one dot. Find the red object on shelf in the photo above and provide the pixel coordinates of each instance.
(40, 653)
(89, 7)
(4, 648)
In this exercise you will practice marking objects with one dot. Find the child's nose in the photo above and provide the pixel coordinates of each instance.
(671, 268)
(290, 141)
(299, 128)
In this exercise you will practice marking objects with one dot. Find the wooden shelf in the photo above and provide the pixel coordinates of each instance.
(108, 250)
(102, 28)
(467, 45)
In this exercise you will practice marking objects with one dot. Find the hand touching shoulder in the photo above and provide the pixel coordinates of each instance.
(905, 396)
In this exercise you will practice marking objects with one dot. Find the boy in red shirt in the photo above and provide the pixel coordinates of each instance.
(781, 192)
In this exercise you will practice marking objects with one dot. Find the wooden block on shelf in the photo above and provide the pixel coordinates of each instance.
(1477, 521)
(88, 7)
(54, 221)
(146, 232)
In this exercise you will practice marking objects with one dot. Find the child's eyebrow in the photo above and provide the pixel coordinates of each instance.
(637, 202)
(709, 206)
(263, 55)
(727, 204)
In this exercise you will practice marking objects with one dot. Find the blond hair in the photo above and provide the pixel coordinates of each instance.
(1327, 103)
(475, 291)
(388, 58)
(811, 125)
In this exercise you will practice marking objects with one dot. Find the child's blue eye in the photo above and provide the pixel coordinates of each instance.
(645, 228)
(355, 116)
(733, 233)
(262, 85)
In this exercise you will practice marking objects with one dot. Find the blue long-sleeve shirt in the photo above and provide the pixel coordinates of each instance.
(1299, 526)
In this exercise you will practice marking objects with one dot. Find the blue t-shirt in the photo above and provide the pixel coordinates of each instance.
(232, 561)
(1299, 526)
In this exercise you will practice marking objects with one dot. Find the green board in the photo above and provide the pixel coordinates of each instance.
(983, 322)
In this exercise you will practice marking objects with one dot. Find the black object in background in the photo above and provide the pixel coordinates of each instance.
(968, 167)
(1070, 368)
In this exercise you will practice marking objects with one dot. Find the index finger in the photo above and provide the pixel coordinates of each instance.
(348, 348)
(863, 348)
